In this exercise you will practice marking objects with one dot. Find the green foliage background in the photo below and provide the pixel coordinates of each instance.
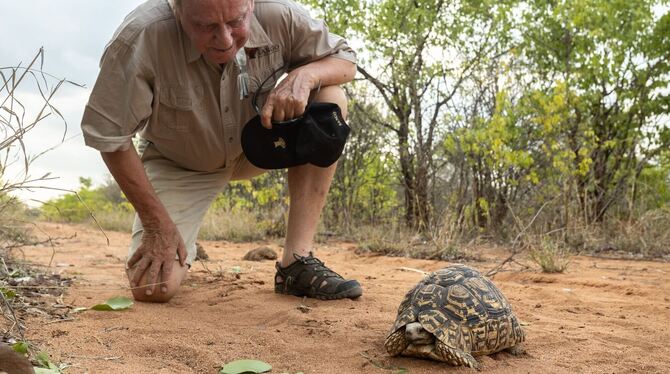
(483, 119)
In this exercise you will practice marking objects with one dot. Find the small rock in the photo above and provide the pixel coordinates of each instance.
(622, 317)
(304, 308)
(260, 254)
(200, 253)
(538, 305)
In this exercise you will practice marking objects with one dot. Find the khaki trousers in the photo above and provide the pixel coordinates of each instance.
(186, 194)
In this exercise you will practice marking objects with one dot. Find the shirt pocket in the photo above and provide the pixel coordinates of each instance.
(264, 73)
(178, 106)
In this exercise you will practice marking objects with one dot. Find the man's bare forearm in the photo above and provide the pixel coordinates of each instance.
(128, 172)
(330, 71)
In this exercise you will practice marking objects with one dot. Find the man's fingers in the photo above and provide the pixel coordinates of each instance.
(298, 109)
(138, 271)
(164, 277)
(181, 253)
(266, 114)
(279, 114)
(135, 258)
(165, 272)
(152, 277)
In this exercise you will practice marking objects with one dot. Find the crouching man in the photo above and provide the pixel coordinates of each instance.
(182, 73)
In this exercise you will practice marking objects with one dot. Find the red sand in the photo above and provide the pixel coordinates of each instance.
(601, 316)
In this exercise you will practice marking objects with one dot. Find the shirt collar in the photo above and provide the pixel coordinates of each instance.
(257, 38)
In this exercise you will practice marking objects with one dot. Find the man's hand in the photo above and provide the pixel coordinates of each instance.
(289, 99)
(155, 256)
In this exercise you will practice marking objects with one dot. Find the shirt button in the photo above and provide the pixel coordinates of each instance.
(225, 110)
(230, 139)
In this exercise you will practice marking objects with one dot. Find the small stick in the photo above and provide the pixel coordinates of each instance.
(69, 319)
(403, 268)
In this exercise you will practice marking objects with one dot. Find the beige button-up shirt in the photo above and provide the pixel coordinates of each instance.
(152, 80)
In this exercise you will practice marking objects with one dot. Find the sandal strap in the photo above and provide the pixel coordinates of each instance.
(307, 275)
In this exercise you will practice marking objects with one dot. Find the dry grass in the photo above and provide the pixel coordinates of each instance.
(645, 237)
(114, 220)
(551, 257)
(236, 226)
(393, 240)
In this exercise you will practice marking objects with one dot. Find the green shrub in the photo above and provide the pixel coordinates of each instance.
(551, 257)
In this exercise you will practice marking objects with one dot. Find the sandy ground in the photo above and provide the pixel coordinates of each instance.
(601, 316)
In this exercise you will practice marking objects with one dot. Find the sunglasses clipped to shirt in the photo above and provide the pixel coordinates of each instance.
(316, 137)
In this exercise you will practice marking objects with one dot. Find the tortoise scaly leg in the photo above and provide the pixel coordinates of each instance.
(516, 350)
(454, 356)
(396, 342)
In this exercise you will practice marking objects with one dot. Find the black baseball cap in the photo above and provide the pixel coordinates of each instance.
(317, 138)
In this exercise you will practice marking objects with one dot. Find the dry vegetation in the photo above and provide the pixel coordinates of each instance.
(25, 290)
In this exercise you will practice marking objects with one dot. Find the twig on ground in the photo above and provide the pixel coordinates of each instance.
(68, 319)
(496, 269)
(515, 250)
(14, 320)
(49, 241)
(403, 268)
(114, 358)
(379, 365)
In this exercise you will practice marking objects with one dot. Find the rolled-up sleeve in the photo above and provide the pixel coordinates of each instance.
(121, 99)
(310, 40)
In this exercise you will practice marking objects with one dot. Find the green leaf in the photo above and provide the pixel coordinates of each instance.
(245, 366)
(46, 370)
(236, 269)
(46, 366)
(43, 360)
(115, 303)
(9, 294)
(20, 347)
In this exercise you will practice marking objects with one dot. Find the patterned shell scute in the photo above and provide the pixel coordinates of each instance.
(463, 309)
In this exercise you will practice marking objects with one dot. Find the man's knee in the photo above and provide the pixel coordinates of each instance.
(334, 94)
(171, 286)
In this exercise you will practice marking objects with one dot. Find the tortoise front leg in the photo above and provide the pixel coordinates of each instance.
(454, 356)
(396, 342)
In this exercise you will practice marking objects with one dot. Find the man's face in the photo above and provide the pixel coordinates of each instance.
(217, 28)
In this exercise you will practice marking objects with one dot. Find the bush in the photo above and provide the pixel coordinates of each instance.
(105, 203)
(551, 257)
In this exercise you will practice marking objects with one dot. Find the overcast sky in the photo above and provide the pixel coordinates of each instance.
(73, 34)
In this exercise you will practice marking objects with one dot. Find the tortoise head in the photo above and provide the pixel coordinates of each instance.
(417, 335)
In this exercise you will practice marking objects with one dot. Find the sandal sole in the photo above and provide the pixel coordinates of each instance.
(352, 293)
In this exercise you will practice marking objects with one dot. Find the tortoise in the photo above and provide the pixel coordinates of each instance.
(454, 314)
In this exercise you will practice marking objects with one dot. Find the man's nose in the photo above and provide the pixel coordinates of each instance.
(224, 36)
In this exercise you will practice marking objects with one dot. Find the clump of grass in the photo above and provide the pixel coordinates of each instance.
(236, 225)
(551, 257)
(392, 240)
(646, 236)
(115, 220)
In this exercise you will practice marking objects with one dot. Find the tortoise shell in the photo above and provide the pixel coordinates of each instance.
(462, 309)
